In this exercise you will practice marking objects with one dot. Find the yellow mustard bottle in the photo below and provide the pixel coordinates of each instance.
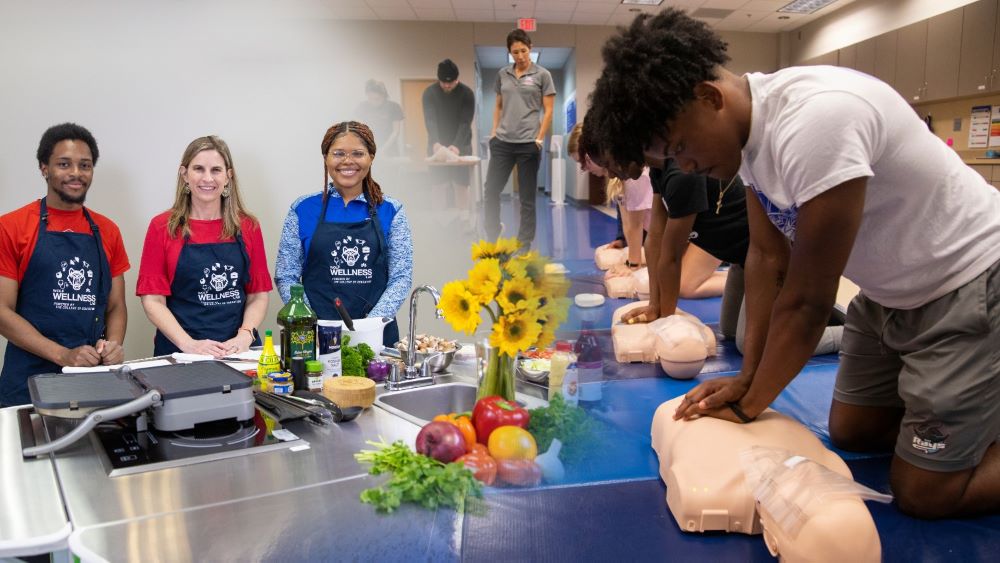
(268, 362)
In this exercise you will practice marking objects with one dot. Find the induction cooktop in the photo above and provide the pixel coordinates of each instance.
(126, 449)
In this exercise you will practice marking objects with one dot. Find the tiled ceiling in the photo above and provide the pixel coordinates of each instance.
(730, 15)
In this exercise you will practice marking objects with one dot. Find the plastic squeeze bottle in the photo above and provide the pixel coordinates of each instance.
(563, 378)
(268, 362)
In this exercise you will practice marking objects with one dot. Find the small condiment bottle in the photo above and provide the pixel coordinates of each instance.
(314, 375)
(269, 360)
(280, 383)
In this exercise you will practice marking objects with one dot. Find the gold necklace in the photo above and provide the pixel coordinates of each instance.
(722, 192)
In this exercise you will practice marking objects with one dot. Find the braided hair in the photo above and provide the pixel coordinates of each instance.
(371, 189)
(650, 71)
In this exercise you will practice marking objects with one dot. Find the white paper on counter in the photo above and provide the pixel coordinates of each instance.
(188, 358)
(136, 365)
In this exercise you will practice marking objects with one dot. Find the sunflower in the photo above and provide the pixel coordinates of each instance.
(555, 285)
(518, 294)
(528, 265)
(546, 337)
(484, 279)
(554, 311)
(503, 247)
(515, 332)
(460, 307)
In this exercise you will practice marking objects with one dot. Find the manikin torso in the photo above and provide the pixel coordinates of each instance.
(700, 462)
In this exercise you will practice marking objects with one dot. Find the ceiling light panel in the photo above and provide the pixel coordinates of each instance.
(805, 6)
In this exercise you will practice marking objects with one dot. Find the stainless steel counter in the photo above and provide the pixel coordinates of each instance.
(93, 498)
(324, 522)
(32, 518)
(281, 504)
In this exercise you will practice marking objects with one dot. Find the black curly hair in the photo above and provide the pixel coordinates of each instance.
(650, 71)
(63, 132)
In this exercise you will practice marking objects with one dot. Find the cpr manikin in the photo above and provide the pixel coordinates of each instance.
(680, 342)
(621, 282)
(772, 476)
(605, 257)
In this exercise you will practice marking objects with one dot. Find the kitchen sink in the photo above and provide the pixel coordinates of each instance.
(422, 404)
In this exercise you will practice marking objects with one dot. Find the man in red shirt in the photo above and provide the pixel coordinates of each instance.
(62, 291)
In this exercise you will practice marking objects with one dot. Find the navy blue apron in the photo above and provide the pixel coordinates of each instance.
(64, 295)
(208, 295)
(349, 261)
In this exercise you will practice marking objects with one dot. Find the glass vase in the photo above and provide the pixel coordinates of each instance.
(496, 372)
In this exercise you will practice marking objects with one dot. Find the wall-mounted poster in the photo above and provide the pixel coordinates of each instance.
(979, 127)
(995, 127)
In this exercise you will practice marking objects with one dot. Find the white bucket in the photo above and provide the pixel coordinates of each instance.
(368, 331)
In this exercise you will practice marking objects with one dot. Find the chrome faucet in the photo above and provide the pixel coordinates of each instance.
(413, 375)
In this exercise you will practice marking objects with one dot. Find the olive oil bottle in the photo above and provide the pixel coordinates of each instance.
(298, 329)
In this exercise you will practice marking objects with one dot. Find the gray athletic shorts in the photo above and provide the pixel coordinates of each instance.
(941, 362)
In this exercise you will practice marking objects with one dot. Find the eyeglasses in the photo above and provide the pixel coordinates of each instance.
(354, 155)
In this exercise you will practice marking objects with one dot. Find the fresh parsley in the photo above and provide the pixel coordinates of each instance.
(416, 478)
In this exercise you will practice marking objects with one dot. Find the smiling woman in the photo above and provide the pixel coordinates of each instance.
(203, 279)
(348, 241)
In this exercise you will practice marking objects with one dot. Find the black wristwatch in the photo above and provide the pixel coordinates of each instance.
(254, 335)
(632, 264)
(738, 411)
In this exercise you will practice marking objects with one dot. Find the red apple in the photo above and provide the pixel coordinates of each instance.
(442, 441)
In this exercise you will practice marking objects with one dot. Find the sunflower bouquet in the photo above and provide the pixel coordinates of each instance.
(524, 300)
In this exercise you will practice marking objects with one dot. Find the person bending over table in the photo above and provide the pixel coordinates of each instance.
(62, 266)
(203, 279)
(844, 178)
(348, 241)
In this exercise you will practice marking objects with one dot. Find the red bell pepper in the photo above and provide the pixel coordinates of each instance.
(493, 412)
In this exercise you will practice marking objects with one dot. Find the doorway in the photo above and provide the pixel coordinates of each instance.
(414, 132)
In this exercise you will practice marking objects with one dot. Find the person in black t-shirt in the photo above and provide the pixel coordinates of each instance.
(711, 215)
(708, 215)
(449, 107)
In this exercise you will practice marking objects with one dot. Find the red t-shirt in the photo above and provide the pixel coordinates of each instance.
(19, 234)
(160, 253)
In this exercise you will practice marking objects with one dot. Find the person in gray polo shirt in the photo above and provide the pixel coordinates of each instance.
(521, 119)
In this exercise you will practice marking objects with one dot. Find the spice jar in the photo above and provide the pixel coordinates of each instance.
(314, 375)
(280, 383)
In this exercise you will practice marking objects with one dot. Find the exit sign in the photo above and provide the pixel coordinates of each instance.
(527, 24)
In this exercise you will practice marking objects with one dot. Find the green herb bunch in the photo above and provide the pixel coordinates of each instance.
(576, 429)
(417, 479)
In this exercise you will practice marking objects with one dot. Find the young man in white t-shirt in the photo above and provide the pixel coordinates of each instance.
(843, 179)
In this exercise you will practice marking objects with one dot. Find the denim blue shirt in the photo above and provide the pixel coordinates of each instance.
(297, 232)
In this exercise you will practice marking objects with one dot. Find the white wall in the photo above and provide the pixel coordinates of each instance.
(148, 77)
(859, 21)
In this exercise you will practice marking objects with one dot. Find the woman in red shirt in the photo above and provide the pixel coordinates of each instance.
(203, 278)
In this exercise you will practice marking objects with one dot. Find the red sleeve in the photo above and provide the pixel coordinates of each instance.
(155, 267)
(8, 251)
(18, 234)
(260, 275)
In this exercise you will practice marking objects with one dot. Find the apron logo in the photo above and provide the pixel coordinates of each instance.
(219, 285)
(350, 260)
(74, 283)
